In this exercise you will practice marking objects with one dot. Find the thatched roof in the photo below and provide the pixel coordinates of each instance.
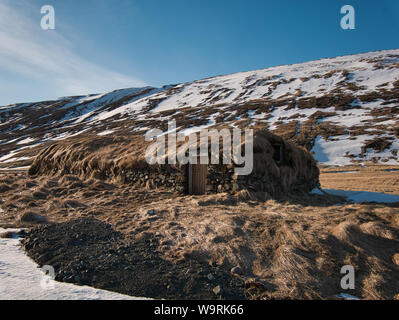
(90, 155)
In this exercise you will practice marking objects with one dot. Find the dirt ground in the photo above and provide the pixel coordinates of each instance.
(288, 248)
(100, 257)
(374, 178)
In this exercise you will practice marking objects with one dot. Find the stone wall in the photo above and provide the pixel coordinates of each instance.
(173, 178)
(221, 178)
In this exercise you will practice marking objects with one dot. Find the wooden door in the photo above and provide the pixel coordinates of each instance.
(197, 178)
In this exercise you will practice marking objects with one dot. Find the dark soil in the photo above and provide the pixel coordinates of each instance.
(88, 251)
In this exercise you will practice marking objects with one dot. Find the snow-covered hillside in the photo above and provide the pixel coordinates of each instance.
(345, 109)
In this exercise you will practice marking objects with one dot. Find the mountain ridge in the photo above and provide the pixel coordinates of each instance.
(344, 109)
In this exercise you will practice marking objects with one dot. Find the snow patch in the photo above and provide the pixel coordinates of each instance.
(105, 132)
(20, 279)
(26, 141)
(361, 196)
(334, 152)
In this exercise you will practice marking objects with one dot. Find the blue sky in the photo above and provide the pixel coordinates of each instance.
(101, 45)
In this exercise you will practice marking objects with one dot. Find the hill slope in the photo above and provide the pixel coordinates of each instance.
(345, 109)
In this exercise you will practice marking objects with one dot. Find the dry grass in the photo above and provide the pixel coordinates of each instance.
(373, 178)
(287, 248)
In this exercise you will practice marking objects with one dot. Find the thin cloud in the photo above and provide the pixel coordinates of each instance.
(46, 57)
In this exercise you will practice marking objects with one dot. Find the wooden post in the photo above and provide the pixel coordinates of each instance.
(197, 174)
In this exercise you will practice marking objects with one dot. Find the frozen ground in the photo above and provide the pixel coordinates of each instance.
(21, 279)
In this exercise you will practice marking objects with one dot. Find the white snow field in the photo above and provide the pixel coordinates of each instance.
(22, 279)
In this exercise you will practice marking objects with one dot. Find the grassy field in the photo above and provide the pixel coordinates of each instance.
(374, 178)
(287, 248)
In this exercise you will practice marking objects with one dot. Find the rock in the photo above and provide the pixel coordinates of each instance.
(345, 296)
(151, 212)
(209, 187)
(31, 217)
(212, 264)
(217, 290)
(210, 277)
(73, 204)
(22, 233)
(7, 235)
(236, 270)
